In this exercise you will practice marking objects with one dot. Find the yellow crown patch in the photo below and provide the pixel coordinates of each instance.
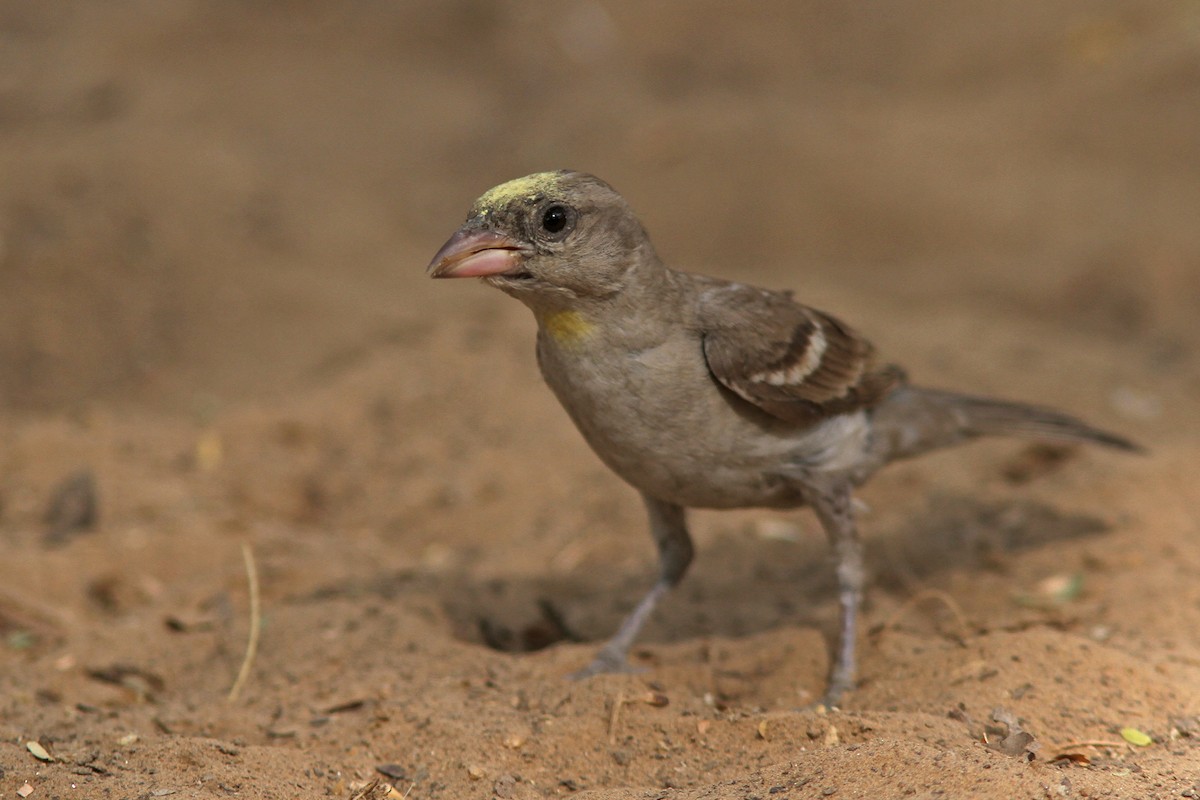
(539, 183)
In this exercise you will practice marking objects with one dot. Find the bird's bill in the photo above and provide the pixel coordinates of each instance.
(477, 254)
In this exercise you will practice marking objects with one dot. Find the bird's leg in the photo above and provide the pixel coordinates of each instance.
(669, 528)
(833, 506)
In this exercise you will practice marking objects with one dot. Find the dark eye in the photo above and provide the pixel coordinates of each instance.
(555, 218)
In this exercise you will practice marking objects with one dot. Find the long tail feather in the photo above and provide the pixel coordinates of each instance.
(913, 420)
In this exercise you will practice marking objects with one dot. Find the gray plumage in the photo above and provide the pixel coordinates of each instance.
(705, 393)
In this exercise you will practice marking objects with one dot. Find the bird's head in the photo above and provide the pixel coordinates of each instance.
(549, 234)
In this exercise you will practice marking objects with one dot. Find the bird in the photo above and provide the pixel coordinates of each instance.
(708, 393)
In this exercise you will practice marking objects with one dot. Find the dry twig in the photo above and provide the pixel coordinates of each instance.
(615, 717)
(255, 623)
(1069, 746)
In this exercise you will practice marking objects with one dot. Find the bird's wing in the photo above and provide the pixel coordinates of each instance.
(795, 363)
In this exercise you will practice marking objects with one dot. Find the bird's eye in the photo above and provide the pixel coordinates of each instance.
(555, 218)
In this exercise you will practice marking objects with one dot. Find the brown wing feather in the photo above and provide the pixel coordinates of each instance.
(794, 362)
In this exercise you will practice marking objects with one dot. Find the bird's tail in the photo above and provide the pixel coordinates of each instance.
(912, 420)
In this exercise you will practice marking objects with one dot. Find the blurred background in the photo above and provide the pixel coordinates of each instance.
(205, 201)
(216, 332)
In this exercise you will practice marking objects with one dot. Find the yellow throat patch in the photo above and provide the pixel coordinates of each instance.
(567, 328)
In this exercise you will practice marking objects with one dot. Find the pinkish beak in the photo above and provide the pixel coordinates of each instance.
(477, 254)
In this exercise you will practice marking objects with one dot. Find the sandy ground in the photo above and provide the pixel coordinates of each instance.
(213, 225)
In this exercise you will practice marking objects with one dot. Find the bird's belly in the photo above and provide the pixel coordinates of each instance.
(671, 433)
(688, 467)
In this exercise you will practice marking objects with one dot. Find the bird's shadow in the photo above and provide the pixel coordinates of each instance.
(739, 585)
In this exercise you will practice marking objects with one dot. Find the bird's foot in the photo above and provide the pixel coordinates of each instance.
(840, 682)
(830, 701)
(608, 661)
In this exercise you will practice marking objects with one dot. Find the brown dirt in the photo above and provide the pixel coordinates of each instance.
(213, 223)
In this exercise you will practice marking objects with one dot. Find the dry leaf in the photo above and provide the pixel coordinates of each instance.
(1012, 740)
(1074, 758)
(39, 752)
(1136, 737)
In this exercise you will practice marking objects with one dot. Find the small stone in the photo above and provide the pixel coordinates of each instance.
(394, 771)
(779, 530)
(1135, 403)
(504, 787)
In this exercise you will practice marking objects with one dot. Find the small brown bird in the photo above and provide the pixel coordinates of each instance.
(704, 393)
